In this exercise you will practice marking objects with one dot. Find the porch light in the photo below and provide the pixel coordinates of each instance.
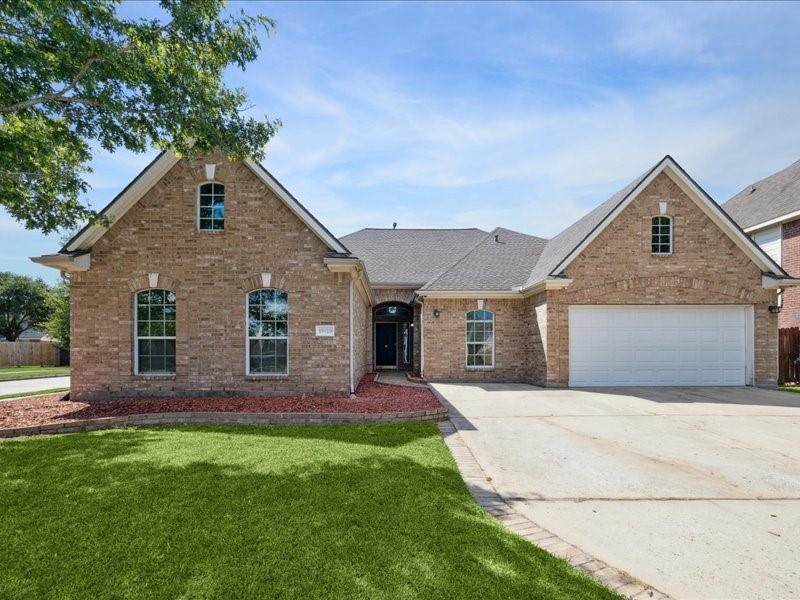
(436, 312)
(774, 309)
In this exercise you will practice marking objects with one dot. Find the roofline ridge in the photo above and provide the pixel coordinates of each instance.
(758, 181)
(419, 229)
(458, 261)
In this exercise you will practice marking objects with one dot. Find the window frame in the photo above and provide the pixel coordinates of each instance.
(197, 208)
(652, 243)
(467, 343)
(247, 336)
(137, 337)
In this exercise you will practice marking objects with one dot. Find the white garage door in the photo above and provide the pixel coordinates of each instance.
(659, 345)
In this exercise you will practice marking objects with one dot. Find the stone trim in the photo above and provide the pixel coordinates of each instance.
(485, 494)
(256, 282)
(142, 282)
(225, 418)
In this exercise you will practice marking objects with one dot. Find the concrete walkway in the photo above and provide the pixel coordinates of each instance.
(32, 385)
(397, 378)
(694, 491)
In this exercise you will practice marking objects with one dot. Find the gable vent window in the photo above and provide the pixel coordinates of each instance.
(661, 235)
(211, 207)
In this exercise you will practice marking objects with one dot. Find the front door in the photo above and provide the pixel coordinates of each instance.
(385, 344)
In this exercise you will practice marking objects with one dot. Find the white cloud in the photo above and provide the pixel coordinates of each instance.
(360, 137)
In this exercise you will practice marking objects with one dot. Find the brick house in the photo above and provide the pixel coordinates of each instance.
(211, 278)
(769, 211)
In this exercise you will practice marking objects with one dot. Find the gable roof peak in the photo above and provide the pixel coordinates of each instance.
(158, 168)
(567, 245)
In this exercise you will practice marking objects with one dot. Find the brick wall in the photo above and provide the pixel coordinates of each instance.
(518, 355)
(790, 259)
(362, 323)
(210, 272)
(706, 267)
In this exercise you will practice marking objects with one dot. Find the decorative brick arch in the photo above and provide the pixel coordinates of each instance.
(162, 281)
(259, 281)
(596, 293)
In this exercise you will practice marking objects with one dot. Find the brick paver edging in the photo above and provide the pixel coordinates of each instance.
(226, 418)
(492, 502)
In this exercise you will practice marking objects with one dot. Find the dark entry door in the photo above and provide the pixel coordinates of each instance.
(385, 344)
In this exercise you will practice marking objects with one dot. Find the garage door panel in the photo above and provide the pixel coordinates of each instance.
(657, 345)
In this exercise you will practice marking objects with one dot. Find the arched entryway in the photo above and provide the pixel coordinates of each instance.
(393, 336)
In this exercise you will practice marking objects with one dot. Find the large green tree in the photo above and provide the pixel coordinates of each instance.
(24, 303)
(75, 73)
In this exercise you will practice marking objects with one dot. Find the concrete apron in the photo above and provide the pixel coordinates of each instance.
(694, 491)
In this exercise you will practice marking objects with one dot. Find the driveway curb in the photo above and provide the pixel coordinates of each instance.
(479, 485)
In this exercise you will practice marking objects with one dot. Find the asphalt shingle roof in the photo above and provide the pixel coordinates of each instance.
(410, 256)
(472, 259)
(560, 246)
(768, 199)
(500, 261)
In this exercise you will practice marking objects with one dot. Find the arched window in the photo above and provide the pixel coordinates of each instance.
(211, 206)
(267, 332)
(480, 339)
(661, 235)
(155, 332)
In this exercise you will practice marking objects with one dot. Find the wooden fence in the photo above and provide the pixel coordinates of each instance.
(19, 353)
(788, 351)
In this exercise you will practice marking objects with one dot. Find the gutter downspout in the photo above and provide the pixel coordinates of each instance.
(422, 338)
(352, 388)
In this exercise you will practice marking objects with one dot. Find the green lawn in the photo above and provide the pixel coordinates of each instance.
(254, 512)
(27, 372)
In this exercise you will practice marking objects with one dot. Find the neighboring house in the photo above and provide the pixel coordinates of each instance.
(769, 211)
(34, 334)
(213, 278)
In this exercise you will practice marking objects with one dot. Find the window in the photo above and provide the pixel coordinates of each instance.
(661, 235)
(393, 311)
(155, 333)
(211, 207)
(267, 332)
(480, 339)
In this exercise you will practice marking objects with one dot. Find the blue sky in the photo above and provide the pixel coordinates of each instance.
(518, 115)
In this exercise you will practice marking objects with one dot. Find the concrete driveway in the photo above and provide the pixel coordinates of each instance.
(695, 491)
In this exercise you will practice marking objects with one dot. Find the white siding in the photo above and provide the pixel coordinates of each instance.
(770, 241)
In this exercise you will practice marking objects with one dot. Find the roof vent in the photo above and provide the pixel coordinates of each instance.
(497, 239)
(394, 225)
(752, 189)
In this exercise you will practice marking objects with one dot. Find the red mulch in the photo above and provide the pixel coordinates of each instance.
(371, 398)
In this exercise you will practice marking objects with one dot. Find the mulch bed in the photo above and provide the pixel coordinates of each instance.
(371, 398)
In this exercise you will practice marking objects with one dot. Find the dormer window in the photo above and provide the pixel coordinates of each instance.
(211, 207)
(661, 235)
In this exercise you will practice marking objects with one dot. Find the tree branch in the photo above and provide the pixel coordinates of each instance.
(59, 96)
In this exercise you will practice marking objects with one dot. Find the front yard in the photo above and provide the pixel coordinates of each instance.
(245, 512)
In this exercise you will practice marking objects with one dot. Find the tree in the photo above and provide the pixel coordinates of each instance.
(76, 73)
(58, 324)
(24, 303)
